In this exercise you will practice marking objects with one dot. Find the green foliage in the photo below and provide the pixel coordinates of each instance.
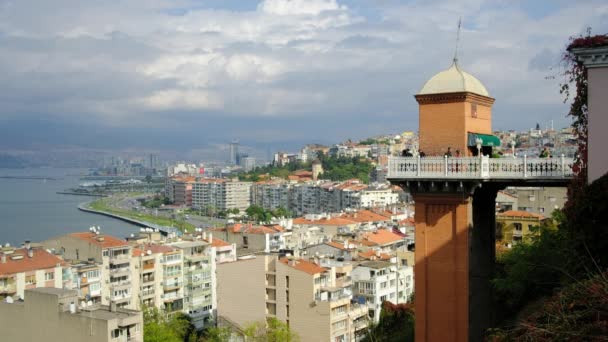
(215, 334)
(271, 331)
(336, 169)
(370, 141)
(530, 269)
(574, 247)
(155, 202)
(274, 171)
(339, 169)
(158, 327)
(259, 214)
(579, 312)
(396, 324)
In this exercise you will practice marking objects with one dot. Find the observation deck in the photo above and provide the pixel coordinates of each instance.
(514, 171)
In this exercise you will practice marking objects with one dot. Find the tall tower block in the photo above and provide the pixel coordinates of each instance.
(454, 109)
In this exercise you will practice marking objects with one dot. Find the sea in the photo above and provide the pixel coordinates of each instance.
(31, 209)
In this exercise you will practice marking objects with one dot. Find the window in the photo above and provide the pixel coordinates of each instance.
(339, 325)
(30, 280)
(383, 285)
(392, 283)
(105, 253)
(116, 333)
(473, 110)
(92, 274)
(383, 298)
(49, 276)
(517, 226)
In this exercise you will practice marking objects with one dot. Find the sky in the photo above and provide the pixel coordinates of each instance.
(189, 76)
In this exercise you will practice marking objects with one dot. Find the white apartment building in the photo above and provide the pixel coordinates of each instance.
(85, 277)
(117, 269)
(377, 281)
(200, 286)
(221, 194)
(314, 301)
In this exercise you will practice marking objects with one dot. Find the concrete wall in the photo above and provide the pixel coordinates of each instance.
(241, 294)
(598, 122)
(43, 322)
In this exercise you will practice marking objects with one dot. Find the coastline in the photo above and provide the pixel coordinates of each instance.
(164, 230)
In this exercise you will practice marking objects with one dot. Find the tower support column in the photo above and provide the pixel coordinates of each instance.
(442, 266)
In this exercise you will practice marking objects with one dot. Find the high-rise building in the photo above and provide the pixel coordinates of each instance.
(153, 164)
(234, 152)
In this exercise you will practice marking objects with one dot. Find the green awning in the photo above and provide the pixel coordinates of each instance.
(486, 140)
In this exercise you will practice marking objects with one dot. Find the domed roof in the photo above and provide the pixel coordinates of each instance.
(453, 80)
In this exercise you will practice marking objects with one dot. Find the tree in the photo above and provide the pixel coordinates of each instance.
(148, 179)
(216, 334)
(160, 328)
(273, 330)
(396, 324)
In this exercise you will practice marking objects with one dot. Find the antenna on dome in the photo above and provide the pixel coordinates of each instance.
(457, 40)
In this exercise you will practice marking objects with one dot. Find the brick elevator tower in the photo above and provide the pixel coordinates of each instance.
(454, 109)
(455, 204)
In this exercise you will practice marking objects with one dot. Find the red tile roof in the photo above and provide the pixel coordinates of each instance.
(218, 242)
(304, 266)
(251, 229)
(371, 255)
(383, 237)
(41, 260)
(337, 245)
(108, 241)
(333, 221)
(366, 216)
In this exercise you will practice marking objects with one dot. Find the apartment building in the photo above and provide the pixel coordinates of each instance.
(115, 256)
(378, 281)
(50, 314)
(85, 278)
(200, 298)
(179, 189)
(314, 301)
(267, 238)
(513, 226)
(172, 280)
(27, 268)
(149, 260)
(271, 194)
(221, 194)
(539, 200)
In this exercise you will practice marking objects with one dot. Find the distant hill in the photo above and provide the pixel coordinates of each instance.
(8, 161)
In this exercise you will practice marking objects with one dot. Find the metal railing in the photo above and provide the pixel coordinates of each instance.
(479, 168)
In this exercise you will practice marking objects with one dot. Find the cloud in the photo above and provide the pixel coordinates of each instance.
(298, 7)
(320, 70)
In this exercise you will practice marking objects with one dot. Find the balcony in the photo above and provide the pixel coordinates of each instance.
(198, 257)
(172, 285)
(120, 271)
(8, 288)
(344, 281)
(476, 168)
(120, 297)
(148, 266)
(147, 293)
